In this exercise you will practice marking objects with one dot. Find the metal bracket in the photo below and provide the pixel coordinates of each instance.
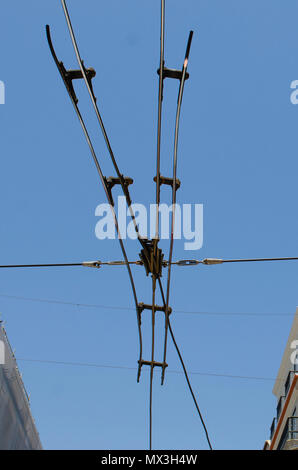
(152, 258)
(172, 73)
(168, 181)
(157, 308)
(124, 180)
(70, 75)
(152, 363)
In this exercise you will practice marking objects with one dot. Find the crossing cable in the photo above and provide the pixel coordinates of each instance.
(119, 367)
(185, 370)
(114, 307)
(89, 264)
(74, 100)
(213, 261)
(174, 191)
(40, 265)
(183, 262)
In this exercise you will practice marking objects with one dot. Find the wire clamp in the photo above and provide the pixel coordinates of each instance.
(168, 181)
(92, 264)
(172, 73)
(125, 181)
(157, 308)
(152, 258)
(69, 75)
(152, 363)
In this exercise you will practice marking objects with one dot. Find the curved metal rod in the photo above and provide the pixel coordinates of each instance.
(160, 99)
(102, 179)
(174, 191)
(93, 99)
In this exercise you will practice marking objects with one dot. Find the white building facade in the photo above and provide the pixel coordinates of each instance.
(17, 427)
(284, 428)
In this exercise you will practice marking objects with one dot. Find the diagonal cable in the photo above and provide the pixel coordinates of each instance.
(185, 370)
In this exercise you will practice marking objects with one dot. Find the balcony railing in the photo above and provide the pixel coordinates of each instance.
(289, 380)
(272, 429)
(290, 433)
(280, 406)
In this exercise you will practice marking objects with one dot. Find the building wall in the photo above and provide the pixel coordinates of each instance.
(287, 396)
(17, 427)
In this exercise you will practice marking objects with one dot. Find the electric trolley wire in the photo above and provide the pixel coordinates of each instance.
(152, 360)
(99, 118)
(151, 252)
(102, 179)
(156, 239)
(159, 123)
(174, 191)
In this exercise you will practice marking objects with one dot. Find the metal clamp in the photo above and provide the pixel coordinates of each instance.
(188, 262)
(124, 181)
(152, 258)
(167, 181)
(172, 73)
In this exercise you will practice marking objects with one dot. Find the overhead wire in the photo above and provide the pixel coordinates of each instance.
(114, 307)
(159, 123)
(102, 179)
(121, 367)
(124, 185)
(174, 192)
(99, 118)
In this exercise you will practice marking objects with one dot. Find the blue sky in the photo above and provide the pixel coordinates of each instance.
(237, 156)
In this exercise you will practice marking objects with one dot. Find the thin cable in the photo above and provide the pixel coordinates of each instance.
(257, 259)
(174, 191)
(185, 371)
(111, 307)
(178, 372)
(41, 265)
